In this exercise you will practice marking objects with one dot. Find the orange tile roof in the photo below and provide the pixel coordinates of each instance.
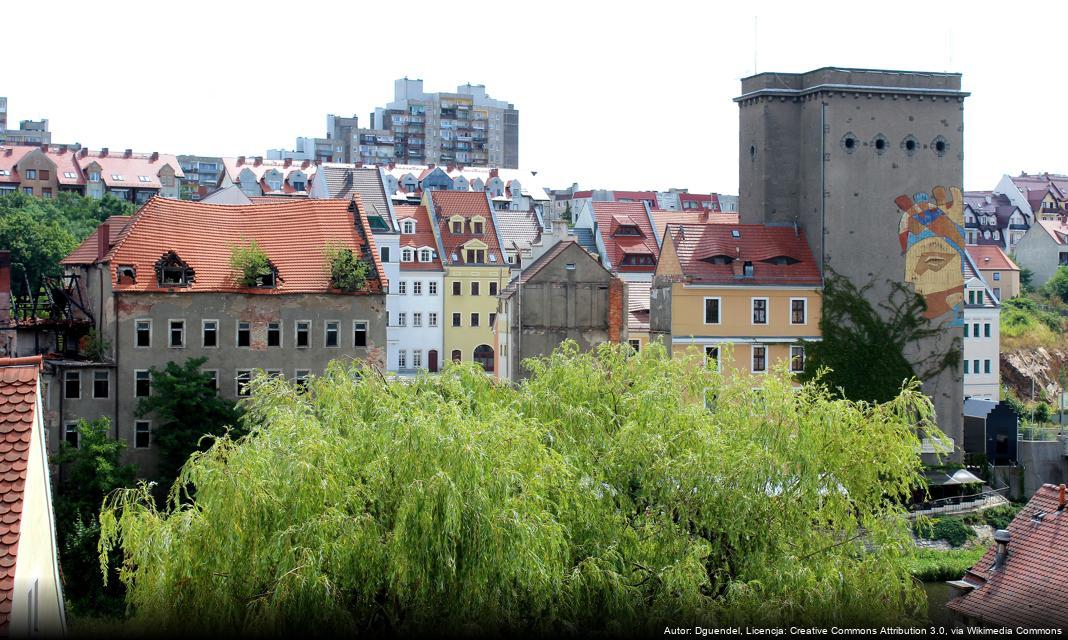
(467, 204)
(1029, 590)
(129, 169)
(423, 237)
(663, 218)
(694, 243)
(293, 233)
(990, 256)
(609, 216)
(18, 403)
(9, 157)
(86, 251)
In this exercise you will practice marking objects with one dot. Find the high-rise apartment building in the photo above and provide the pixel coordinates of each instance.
(466, 127)
(337, 146)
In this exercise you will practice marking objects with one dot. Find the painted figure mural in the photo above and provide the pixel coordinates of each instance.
(932, 239)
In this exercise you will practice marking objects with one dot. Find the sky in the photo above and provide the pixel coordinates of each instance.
(615, 95)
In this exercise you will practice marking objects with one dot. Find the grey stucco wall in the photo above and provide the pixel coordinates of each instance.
(1038, 252)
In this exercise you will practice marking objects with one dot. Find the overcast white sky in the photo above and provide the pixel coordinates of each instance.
(624, 95)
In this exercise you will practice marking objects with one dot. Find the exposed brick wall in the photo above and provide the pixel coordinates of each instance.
(617, 304)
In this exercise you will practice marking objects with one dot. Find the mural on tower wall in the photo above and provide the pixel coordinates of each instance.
(932, 239)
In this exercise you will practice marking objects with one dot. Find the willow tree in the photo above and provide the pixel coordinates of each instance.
(610, 492)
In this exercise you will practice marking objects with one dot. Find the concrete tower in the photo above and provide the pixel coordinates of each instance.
(834, 150)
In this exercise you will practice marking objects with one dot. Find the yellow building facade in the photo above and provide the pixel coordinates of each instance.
(470, 311)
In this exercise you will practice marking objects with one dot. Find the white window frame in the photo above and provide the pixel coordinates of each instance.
(237, 382)
(417, 319)
(417, 287)
(237, 334)
(297, 378)
(402, 319)
(417, 358)
(432, 288)
(752, 312)
(752, 358)
(406, 254)
(136, 431)
(170, 335)
(719, 310)
(402, 287)
(803, 301)
(107, 378)
(802, 348)
(66, 375)
(326, 333)
(203, 330)
(147, 373)
(432, 319)
(402, 359)
(136, 322)
(408, 227)
(296, 333)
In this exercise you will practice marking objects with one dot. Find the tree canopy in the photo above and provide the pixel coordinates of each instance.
(609, 492)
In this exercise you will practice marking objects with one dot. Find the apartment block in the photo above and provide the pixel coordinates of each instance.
(3, 116)
(167, 292)
(746, 296)
(46, 170)
(466, 127)
(202, 176)
(339, 145)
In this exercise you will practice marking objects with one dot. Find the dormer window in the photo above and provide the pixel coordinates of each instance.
(747, 269)
(377, 223)
(425, 255)
(628, 230)
(720, 259)
(476, 227)
(172, 271)
(406, 255)
(457, 224)
(408, 227)
(638, 260)
(475, 256)
(117, 178)
(127, 274)
(781, 260)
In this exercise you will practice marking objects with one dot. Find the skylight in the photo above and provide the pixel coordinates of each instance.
(735, 233)
(4, 172)
(117, 177)
(68, 175)
(143, 178)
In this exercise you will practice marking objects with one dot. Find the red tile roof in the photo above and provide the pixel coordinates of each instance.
(663, 218)
(293, 233)
(1056, 230)
(1029, 590)
(700, 198)
(423, 237)
(18, 403)
(233, 167)
(609, 216)
(86, 251)
(991, 257)
(467, 204)
(130, 169)
(694, 243)
(9, 157)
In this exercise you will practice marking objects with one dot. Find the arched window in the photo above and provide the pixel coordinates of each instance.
(484, 356)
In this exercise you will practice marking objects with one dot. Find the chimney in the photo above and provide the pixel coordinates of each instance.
(257, 161)
(703, 216)
(390, 165)
(1001, 537)
(431, 165)
(103, 240)
(737, 265)
(1060, 497)
(83, 152)
(287, 163)
(44, 148)
(240, 160)
(128, 153)
(449, 168)
(304, 165)
(617, 303)
(104, 152)
(8, 151)
(493, 173)
(63, 149)
(154, 156)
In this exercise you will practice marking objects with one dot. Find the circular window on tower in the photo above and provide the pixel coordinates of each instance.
(910, 145)
(752, 152)
(879, 144)
(850, 142)
(940, 145)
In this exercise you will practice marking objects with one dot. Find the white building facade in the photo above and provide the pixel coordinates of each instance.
(416, 297)
(982, 337)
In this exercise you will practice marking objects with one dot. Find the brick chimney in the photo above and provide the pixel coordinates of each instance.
(257, 161)
(1061, 497)
(154, 156)
(104, 152)
(128, 153)
(287, 163)
(83, 152)
(103, 240)
(737, 265)
(5, 287)
(449, 168)
(44, 148)
(240, 160)
(616, 312)
(494, 173)
(304, 165)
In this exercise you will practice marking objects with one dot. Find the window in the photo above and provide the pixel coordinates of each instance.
(402, 359)
(417, 288)
(483, 355)
(797, 358)
(425, 255)
(493, 319)
(213, 381)
(474, 319)
(712, 310)
(46, 192)
(417, 319)
(474, 288)
(244, 334)
(986, 366)
(457, 226)
(978, 297)
(209, 334)
(177, 334)
(142, 434)
(408, 226)
(975, 366)
(402, 319)
(432, 319)
(303, 334)
(760, 358)
(274, 334)
(712, 355)
(70, 434)
(384, 252)
(456, 319)
(402, 287)
(142, 383)
(432, 288)
(760, 310)
(31, 174)
(101, 382)
(241, 381)
(997, 275)
(359, 333)
(301, 378)
(72, 385)
(493, 288)
(456, 288)
(986, 330)
(975, 330)
(457, 356)
(965, 329)
(476, 256)
(330, 337)
(635, 345)
(406, 255)
(94, 176)
(965, 367)
(798, 310)
(142, 333)
(997, 292)
(417, 359)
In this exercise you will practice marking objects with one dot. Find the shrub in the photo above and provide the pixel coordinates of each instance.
(347, 272)
(932, 565)
(952, 530)
(251, 262)
(1000, 517)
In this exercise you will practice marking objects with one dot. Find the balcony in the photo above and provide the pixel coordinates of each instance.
(1048, 209)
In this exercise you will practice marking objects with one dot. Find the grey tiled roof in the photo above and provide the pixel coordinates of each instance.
(517, 226)
(585, 239)
(341, 182)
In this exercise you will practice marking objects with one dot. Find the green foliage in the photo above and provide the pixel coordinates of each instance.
(96, 346)
(953, 530)
(1057, 285)
(347, 272)
(1027, 279)
(251, 263)
(186, 406)
(1030, 412)
(566, 215)
(936, 565)
(1000, 517)
(600, 495)
(852, 330)
(90, 472)
(1026, 324)
(40, 232)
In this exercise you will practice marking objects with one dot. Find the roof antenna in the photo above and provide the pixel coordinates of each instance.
(797, 231)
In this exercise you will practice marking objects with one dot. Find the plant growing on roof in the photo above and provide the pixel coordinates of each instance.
(252, 263)
(347, 272)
